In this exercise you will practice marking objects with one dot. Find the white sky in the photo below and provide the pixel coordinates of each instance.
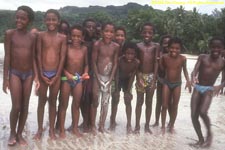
(43, 5)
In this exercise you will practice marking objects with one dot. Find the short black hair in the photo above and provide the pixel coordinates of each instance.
(54, 11)
(107, 23)
(88, 20)
(28, 10)
(130, 45)
(176, 40)
(215, 38)
(164, 37)
(122, 29)
(147, 24)
(77, 27)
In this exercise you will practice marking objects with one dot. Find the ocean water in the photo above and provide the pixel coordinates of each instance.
(118, 140)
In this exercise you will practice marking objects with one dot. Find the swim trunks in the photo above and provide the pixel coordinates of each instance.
(76, 79)
(202, 89)
(21, 75)
(49, 74)
(172, 85)
(147, 79)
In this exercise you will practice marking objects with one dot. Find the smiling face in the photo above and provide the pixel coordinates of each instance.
(119, 37)
(147, 33)
(165, 43)
(216, 47)
(76, 37)
(108, 32)
(51, 21)
(22, 20)
(174, 49)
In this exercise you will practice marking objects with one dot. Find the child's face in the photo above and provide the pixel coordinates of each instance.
(174, 49)
(22, 19)
(165, 44)
(120, 37)
(108, 32)
(64, 29)
(90, 27)
(130, 54)
(76, 36)
(51, 21)
(216, 47)
(147, 33)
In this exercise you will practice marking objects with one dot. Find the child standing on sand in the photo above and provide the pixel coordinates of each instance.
(51, 51)
(203, 77)
(172, 64)
(76, 65)
(19, 71)
(104, 61)
(147, 74)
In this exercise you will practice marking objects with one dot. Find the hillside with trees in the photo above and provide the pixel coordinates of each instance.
(192, 27)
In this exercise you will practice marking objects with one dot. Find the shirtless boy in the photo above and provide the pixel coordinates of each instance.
(172, 64)
(76, 64)
(204, 75)
(120, 37)
(19, 71)
(51, 51)
(164, 49)
(146, 76)
(126, 71)
(104, 60)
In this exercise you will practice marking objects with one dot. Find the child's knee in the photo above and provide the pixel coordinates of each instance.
(140, 102)
(95, 103)
(127, 102)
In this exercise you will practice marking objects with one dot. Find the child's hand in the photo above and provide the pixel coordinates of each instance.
(216, 90)
(37, 85)
(69, 77)
(188, 85)
(85, 76)
(194, 81)
(45, 79)
(6, 86)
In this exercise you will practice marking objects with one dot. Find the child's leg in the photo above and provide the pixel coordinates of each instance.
(104, 110)
(195, 111)
(53, 93)
(63, 104)
(114, 105)
(176, 98)
(148, 111)
(127, 100)
(27, 86)
(16, 97)
(165, 102)
(140, 100)
(204, 107)
(41, 107)
(94, 105)
(158, 103)
(77, 93)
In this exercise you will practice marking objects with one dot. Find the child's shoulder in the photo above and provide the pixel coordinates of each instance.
(10, 31)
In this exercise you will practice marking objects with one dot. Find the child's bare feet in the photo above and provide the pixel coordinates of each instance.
(137, 130)
(12, 140)
(171, 130)
(129, 130)
(21, 140)
(62, 135)
(163, 130)
(207, 142)
(77, 133)
(198, 144)
(52, 135)
(94, 131)
(112, 126)
(156, 124)
(102, 130)
(147, 129)
(38, 135)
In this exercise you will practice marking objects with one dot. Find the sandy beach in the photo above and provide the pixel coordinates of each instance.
(118, 140)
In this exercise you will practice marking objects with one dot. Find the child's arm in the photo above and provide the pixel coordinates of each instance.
(156, 64)
(94, 60)
(188, 83)
(115, 62)
(61, 60)
(6, 67)
(35, 70)
(222, 80)
(195, 71)
(86, 68)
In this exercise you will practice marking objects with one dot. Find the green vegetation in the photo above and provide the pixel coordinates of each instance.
(192, 27)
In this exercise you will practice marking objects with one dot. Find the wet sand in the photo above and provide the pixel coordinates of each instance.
(118, 140)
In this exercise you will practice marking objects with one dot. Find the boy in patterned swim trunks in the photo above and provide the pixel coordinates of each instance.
(204, 75)
(146, 74)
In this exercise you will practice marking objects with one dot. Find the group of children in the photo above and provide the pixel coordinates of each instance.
(76, 61)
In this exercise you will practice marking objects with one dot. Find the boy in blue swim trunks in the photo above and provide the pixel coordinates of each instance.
(19, 71)
(76, 64)
(204, 75)
(51, 50)
(172, 64)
